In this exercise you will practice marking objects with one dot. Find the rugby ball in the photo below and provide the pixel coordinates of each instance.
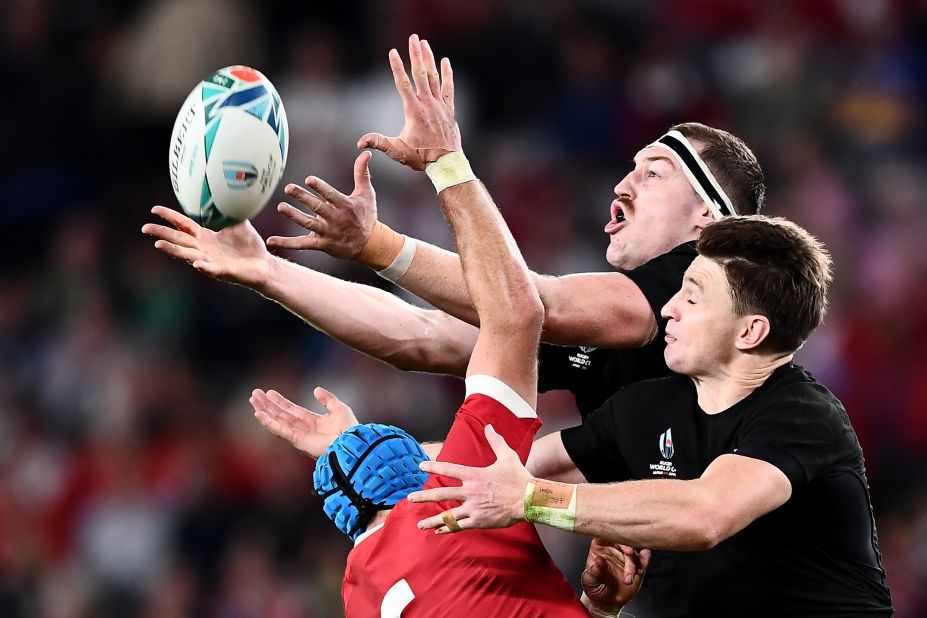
(228, 147)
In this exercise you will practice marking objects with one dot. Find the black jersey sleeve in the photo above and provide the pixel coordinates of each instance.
(594, 445)
(801, 438)
(660, 279)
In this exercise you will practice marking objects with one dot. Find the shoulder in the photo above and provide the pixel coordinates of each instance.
(797, 410)
(792, 390)
(675, 385)
(665, 392)
(795, 423)
(675, 261)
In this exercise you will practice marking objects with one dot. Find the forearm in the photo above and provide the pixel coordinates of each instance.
(658, 514)
(371, 320)
(436, 275)
(497, 278)
(602, 309)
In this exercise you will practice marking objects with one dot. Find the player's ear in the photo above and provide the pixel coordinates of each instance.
(703, 215)
(753, 331)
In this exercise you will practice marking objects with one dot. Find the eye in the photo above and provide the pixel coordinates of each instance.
(651, 174)
(690, 301)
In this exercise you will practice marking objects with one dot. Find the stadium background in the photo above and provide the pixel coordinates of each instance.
(134, 480)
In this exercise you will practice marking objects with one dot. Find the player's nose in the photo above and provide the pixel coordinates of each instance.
(625, 188)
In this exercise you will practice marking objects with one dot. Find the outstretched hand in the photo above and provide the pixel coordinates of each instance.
(430, 129)
(340, 224)
(236, 254)
(614, 573)
(492, 497)
(308, 431)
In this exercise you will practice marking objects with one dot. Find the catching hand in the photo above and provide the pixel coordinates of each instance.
(308, 431)
(341, 224)
(236, 253)
(430, 129)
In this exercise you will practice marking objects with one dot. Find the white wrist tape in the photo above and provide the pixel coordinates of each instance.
(595, 611)
(400, 265)
(551, 503)
(449, 170)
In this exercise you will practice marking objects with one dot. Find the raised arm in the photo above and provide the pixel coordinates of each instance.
(498, 281)
(600, 309)
(363, 317)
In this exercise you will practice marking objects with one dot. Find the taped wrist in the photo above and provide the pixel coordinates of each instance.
(551, 503)
(400, 265)
(381, 248)
(449, 170)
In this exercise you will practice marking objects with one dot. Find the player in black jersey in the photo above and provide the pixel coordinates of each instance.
(748, 481)
(681, 182)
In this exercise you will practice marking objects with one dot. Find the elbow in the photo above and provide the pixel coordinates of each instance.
(436, 343)
(525, 310)
(532, 311)
(706, 529)
(703, 537)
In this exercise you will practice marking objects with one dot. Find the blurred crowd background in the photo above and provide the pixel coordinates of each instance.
(134, 480)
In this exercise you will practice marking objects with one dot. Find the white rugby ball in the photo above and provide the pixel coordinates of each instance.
(228, 147)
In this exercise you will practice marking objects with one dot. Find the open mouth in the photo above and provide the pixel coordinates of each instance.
(617, 211)
(618, 218)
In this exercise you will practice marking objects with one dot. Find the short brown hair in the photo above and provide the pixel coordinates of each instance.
(774, 268)
(733, 164)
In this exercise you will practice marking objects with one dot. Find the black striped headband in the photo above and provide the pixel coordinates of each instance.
(697, 172)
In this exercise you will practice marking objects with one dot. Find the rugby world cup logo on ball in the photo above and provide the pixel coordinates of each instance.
(229, 146)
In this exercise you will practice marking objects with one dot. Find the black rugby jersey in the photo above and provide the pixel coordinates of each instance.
(593, 374)
(816, 555)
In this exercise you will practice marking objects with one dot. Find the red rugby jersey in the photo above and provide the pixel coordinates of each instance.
(399, 570)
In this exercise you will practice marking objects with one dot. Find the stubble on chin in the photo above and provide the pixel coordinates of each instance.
(620, 259)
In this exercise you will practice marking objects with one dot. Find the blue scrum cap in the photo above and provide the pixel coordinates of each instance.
(366, 469)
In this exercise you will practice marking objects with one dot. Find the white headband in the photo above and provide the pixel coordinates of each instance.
(697, 172)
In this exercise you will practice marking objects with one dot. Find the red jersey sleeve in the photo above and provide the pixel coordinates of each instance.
(489, 401)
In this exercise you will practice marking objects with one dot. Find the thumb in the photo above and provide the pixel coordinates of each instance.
(394, 148)
(497, 443)
(334, 405)
(209, 268)
(377, 141)
(362, 183)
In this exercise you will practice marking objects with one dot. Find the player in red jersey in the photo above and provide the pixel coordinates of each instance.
(395, 568)
(364, 475)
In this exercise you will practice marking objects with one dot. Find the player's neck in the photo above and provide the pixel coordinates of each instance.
(378, 519)
(734, 381)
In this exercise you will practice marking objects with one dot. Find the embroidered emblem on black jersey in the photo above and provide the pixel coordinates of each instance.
(581, 359)
(665, 467)
(666, 444)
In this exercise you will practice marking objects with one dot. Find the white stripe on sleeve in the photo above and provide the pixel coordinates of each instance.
(501, 392)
